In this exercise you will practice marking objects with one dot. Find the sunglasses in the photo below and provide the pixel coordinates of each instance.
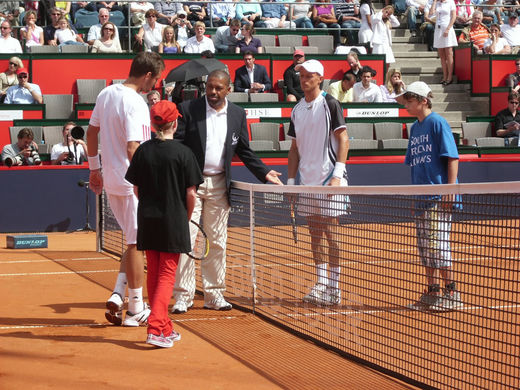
(58, 14)
(513, 102)
(22, 76)
(108, 29)
(12, 63)
(5, 28)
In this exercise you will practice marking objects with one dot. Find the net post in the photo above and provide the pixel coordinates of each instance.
(251, 250)
(98, 223)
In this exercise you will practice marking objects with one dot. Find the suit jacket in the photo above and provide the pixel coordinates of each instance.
(192, 132)
(242, 81)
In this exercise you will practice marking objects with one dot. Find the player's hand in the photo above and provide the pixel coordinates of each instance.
(96, 181)
(335, 182)
(273, 177)
(447, 201)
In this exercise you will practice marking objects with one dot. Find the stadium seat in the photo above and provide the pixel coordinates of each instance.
(388, 130)
(285, 145)
(89, 89)
(289, 40)
(238, 97)
(58, 106)
(118, 81)
(85, 19)
(397, 143)
(267, 40)
(278, 50)
(473, 130)
(360, 131)
(325, 84)
(307, 49)
(324, 43)
(43, 49)
(53, 135)
(37, 130)
(74, 49)
(269, 131)
(263, 97)
(355, 144)
(490, 142)
(262, 145)
(286, 128)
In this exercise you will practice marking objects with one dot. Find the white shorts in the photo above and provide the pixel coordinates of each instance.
(124, 208)
(323, 204)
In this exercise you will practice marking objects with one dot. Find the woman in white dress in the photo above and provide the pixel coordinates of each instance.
(444, 38)
(382, 22)
(366, 10)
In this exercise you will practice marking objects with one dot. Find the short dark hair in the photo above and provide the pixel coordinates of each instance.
(248, 53)
(25, 133)
(419, 98)
(348, 76)
(220, 74)
(513, 95)
(366, 69)
(207, 54)
(145, 62)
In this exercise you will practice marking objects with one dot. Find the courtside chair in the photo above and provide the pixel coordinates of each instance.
(289, 40)
(285, 145)
(89, 89)
(388, 130)
(58, 106)
(263, 97)
(356, 144)
(53, 135)
(325, 84)
(324, 43)
(268, 131)
(264, 145)
(267, 40)
(286, 126)
(278, 50)
(238, 97)
(396, 143)
(490, 142)
(360, 131)
(118, 81)
(44, 49)
(37, 130)
(307, 49)
(473, 130)
(74, 49)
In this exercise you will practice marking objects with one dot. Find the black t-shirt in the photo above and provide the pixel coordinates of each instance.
(162, 171)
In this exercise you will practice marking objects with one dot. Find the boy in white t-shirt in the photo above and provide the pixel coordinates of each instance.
(122, 119)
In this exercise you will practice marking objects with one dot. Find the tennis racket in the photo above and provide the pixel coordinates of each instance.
(293, 222)
(201, 245)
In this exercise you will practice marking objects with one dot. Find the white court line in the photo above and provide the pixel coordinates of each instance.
(60, 273)
(108, 325)
(56, 260)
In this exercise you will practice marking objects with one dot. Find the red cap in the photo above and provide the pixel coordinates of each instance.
(164, 112)
(299, 53)
(22, 70)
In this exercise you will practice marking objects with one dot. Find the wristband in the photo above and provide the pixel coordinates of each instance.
(94, 163)
(339, 170)
(291, 181)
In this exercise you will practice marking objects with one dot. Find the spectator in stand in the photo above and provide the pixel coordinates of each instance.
(8, 44)
(248, 12)
(347, 13)
(71, 151)
(291, 78)
(343, 90)
(225, 39)
(300, 14)
(153, 97)
(366, 11)
(24, 92)
(9, 10)
(150, 33)
(365, 91)
(381, 42)
(324, 16)
(513, 80)
(394, 85)
(94, 32)
(507, 121)
(491, 12)
(8, 78)
(31, 33)
(274, 15)
(112, 6)
(464, 12)
(168, 10)
(199, 42)
(23, 152)
(64, 35)
(64, 6)
(169, 45)
(196, 11)
(183, 29)
(511, 32)
(138, 11)
(220, 13)
(251, 78)
(476, 33)
(108, 43)
(495, 44)
(355, 65)
(50, 30)
(415, 14)
(248, 41)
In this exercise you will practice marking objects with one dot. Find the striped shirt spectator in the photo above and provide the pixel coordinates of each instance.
(476, 33)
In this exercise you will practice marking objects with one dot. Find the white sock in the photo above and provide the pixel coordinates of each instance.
(321, 271)
(334, 277)
(121, 283)
(135, 300)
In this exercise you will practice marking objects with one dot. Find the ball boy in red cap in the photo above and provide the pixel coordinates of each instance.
(165, 175)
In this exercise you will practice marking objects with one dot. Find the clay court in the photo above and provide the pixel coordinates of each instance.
(53, 334)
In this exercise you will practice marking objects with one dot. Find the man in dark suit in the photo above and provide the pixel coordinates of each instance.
(252, 78)
(215, 130)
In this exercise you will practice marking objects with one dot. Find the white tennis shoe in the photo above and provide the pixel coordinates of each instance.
(318, 295)
(159, 341)
(114, 313)
(218, 304)
(137, 319)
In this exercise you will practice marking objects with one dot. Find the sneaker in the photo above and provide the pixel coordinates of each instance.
(449, 301)
(413, 34)
(159, 341)
(114, 313)
(181, 306)
(425, 301)
(137, 319)
(218, 304)
(317, 295)
(174, 336)
(333, 295)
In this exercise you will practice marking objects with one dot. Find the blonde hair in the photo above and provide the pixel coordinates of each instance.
(160, 129)
(389, 84)
(168, 28)
(17, 60)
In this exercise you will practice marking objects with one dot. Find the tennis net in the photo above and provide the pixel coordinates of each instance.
(441, 342)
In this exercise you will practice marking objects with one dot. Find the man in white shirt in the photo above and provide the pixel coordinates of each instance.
(415, 14)
(365, 91)
(24, 92)
(122, 120)
(94, 31)
(511, 32)
(8, 44)
(199, 42)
